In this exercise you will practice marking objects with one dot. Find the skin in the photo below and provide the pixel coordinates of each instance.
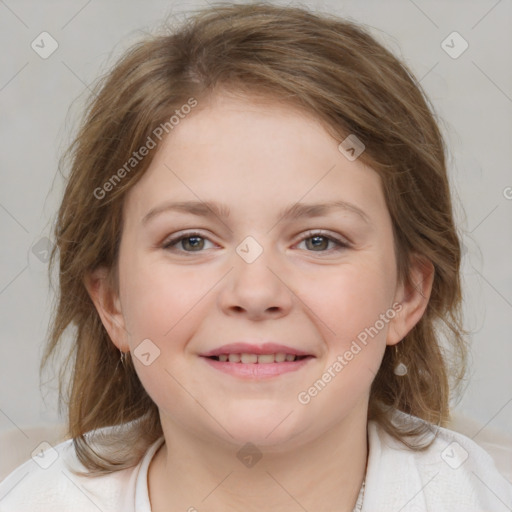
(256, 158)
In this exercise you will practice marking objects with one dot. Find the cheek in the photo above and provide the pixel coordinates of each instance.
(354, 333)
(353, 306)
(352, 301)
(158, 297)
(164, 306)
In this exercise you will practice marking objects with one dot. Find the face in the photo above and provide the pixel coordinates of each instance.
(192, 281)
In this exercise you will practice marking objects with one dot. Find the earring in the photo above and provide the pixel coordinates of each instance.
(123, 359)
(400, 368)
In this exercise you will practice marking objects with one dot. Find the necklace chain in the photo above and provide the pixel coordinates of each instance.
(360, 498)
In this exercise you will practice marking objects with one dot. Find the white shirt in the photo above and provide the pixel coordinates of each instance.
(453, 475)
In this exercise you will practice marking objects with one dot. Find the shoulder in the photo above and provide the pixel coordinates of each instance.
(47, 482)
(453, 474)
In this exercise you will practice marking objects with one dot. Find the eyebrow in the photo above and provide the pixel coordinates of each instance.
(296, 211)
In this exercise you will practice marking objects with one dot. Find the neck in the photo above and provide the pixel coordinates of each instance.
(192, 472)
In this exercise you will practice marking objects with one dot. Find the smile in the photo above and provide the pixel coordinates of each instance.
(247, 358)
(252, 366)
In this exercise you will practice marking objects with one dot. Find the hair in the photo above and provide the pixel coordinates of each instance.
(334, 70)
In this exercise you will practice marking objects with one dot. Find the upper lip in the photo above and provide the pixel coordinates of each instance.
(249, 348)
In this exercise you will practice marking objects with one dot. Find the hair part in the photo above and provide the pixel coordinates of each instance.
(328, 67)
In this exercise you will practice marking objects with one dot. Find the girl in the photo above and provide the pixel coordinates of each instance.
(258, 256)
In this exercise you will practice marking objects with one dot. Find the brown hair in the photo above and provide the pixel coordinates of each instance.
(331, 68)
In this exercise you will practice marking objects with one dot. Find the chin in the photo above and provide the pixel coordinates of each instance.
(265, 428)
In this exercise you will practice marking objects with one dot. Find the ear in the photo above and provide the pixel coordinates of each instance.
(413, 299)
(107, 303)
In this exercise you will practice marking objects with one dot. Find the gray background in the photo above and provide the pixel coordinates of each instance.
(41, 98)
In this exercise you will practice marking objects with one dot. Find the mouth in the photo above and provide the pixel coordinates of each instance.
(249, 358)
(256, 362)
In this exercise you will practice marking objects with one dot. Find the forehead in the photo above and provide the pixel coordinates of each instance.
(234, 148)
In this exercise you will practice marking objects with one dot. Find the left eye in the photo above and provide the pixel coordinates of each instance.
(320, 240)
(194, 242)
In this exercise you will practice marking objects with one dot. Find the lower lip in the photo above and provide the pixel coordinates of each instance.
(257, 370)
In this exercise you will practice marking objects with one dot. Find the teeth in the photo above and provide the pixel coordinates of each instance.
(249, 358)
(245, 358)
(280, 357)
(265, 358)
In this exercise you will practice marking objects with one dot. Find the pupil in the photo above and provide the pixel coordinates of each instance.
(196, 238)
(317, 238)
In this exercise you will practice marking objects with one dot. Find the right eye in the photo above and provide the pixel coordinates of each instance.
(193, 240)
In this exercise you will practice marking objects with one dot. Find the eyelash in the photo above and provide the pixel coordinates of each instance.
(341, 245)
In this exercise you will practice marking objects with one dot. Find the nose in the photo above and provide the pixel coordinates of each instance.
(256, 290)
